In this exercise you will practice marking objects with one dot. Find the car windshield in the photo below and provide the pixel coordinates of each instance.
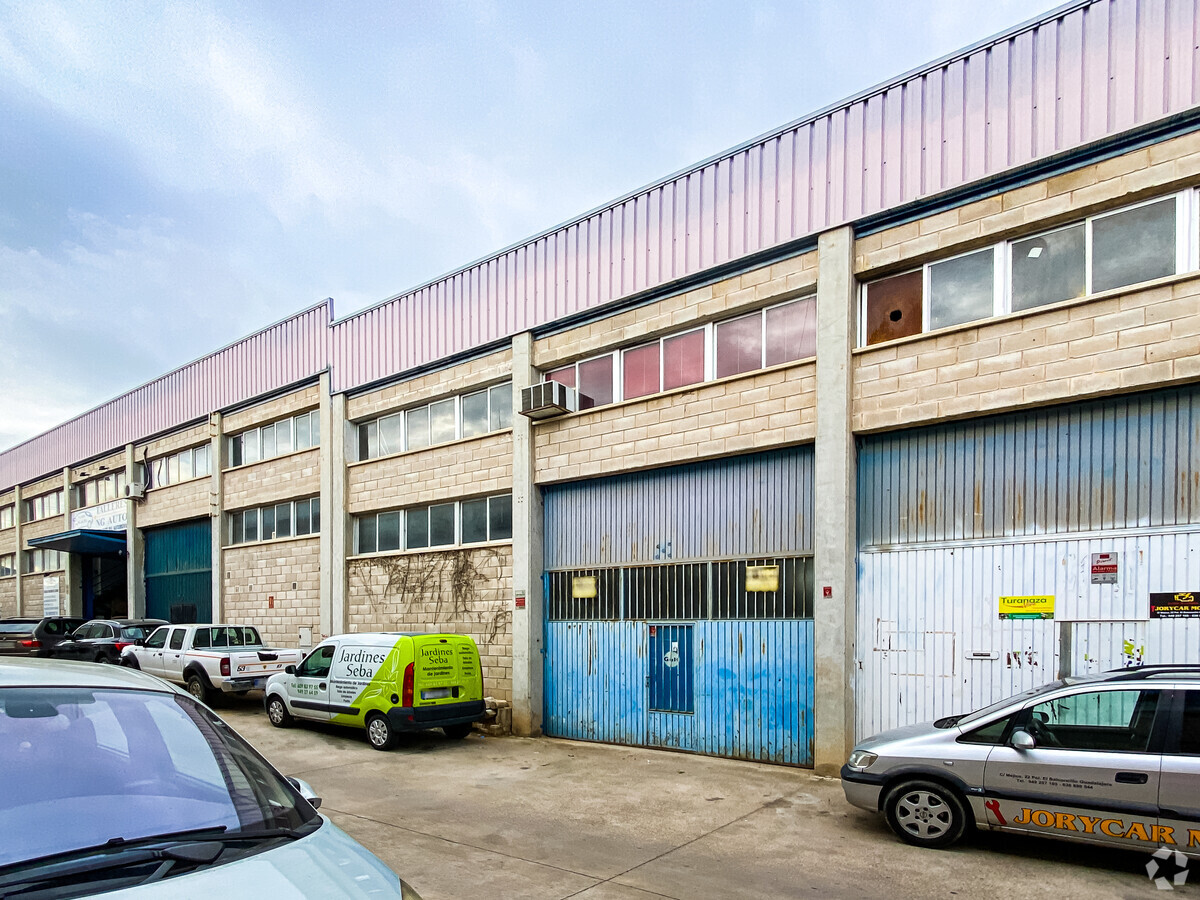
(83, 767)
(16, 627)
(981, 714)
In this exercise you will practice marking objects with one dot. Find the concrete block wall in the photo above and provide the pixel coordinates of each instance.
(466, 468)
(466, 591)
(8, 595)
(8, 544)
(290, 404)
(462, 378)
(256, 572)
(31, 593)
(193, 436)
(175, 503)
(274, 480)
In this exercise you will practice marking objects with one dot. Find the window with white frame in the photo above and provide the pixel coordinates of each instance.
(44, 506)
(44, 561)
(285, 436)
(439, 422)
(778, 334)
(8, 564)
(194, 462)
(101, 489)
(294, 518)
(1110, 250)
(435, 526)
(7, 516)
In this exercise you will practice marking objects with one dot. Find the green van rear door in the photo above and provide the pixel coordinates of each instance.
(445, 670)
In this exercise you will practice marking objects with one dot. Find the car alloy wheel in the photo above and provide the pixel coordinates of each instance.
(278, 713)
(380, 733)
(926, 813)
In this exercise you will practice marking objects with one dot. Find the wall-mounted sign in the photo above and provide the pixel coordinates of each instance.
(1183, 605)
(1027, 607)
(583, 587)
(762, 578)
(1104, 568)
(110, 516)
(50, 596)
(519, 600)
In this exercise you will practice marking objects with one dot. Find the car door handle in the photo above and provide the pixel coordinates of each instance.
(1131, 778)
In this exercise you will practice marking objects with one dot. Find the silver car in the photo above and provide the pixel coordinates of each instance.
(1108, 759)
(115, 782)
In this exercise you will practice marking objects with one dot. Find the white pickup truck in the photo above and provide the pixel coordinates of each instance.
(209, 659)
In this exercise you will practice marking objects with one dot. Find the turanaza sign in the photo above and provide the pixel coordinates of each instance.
(110, 516)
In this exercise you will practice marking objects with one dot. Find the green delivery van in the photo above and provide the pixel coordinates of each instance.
(385, 682)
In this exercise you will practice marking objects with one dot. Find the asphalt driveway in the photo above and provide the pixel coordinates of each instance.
(550, 819)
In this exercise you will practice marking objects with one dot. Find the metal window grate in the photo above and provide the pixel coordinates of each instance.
(666, 592)
(565, 605)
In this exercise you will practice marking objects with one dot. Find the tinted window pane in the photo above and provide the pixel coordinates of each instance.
(639, 368)
(1048, 268)
(596, 382)
(739, 345)
(389, 531)
(314, 512)
(417, 421)
(235, 457)
(177, 638)
(303, 525)
(961, 290)
(565, 376)
(368, 440)
(283, 520)
(367, 538)
(1189, 735)
(268, 441)
(236, 525)
(501, 406)
(474, 521)
(1096, 720)
(416, 528)
(894, 307)
(475, 414)
(1133, 246)
(303, 435)
(791, 331)
(683, 360)
(441, 421)
(268, 522)
(500, 518)
(390, 438)
(250, 522)
(283, 436)
(441, 525)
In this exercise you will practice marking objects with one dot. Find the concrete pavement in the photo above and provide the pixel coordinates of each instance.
(548, 819)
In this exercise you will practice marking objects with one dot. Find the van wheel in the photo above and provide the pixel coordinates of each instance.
(196, 688)
(380, 733)
(458, 732)
(926, 813)
(277, 712)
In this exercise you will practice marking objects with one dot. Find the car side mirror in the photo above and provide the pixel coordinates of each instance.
(304, 789)
(140, 642)
(1022, 740)
(290, 670)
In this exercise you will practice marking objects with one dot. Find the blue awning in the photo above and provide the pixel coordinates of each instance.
(83, 540)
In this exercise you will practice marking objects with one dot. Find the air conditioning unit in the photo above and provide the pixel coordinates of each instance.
(548, 399)
(135, 491)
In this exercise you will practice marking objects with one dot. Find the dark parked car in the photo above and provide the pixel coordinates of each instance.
(34, 637)
(102, 640)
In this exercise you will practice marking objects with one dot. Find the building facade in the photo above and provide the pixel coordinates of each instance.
(878, 417)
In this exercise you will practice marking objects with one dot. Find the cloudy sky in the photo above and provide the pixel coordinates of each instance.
(174, 176)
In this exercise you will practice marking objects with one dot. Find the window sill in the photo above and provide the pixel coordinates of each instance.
(259, 462)
(281, 540)
(445, 548)
(442, 446)
(163, 487)
(1049, 307)
(47, 572)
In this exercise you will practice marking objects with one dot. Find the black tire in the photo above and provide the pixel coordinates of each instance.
(457, 732)
(926, 813)
(130, 662)
(103, 658)
(197, 688)
(380, 733)
(277, 712)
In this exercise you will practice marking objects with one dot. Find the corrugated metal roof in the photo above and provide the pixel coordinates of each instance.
(1082, 73)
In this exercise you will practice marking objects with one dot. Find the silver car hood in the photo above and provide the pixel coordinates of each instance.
(905, 732)
(326, 863)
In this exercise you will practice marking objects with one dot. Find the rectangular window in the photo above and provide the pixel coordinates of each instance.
(251, 530)
(640, 371)
(303, 435)
(303, 522)
(894, 307)
(8, 565)
(500, 403)
(791, 331)
(314, 511)
(962, 289)
(201, 464)
(474, 515)
(500, 518)
(236, 524)
(739, 345)
(1112, 721)
(235, 454)
(417, 424)
(683, 360)
(442, 421)
(564, 376)
(587, 594)
(367, 539)
(389, 531)
(1048, 268)
(185, 465)
(596, 382)
(251, 446)
(267, 519)
(7, 519)
(391, 435)
(268, 442)
(283, 437)
(368, 440)
(173, 470)
(283, 520)
(1134, 245)
(416, 528)
(441, 525)
(475, 414)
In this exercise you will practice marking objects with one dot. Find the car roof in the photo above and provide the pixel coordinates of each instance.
(17, 671)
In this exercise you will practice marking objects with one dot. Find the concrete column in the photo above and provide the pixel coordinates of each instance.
(216, 511)
(135, 544)
(70, 588)
(335, 521)
(19, 559)
(834, 503)
(527, 555)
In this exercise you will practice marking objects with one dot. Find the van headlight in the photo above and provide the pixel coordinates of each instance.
(861, 759)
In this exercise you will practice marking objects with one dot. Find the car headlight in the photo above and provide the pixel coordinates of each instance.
(407, 892)
(860, 759)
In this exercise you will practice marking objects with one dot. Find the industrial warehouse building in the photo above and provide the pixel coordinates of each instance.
(881, 416)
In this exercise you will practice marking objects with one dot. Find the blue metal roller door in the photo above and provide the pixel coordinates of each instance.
(179, 572)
